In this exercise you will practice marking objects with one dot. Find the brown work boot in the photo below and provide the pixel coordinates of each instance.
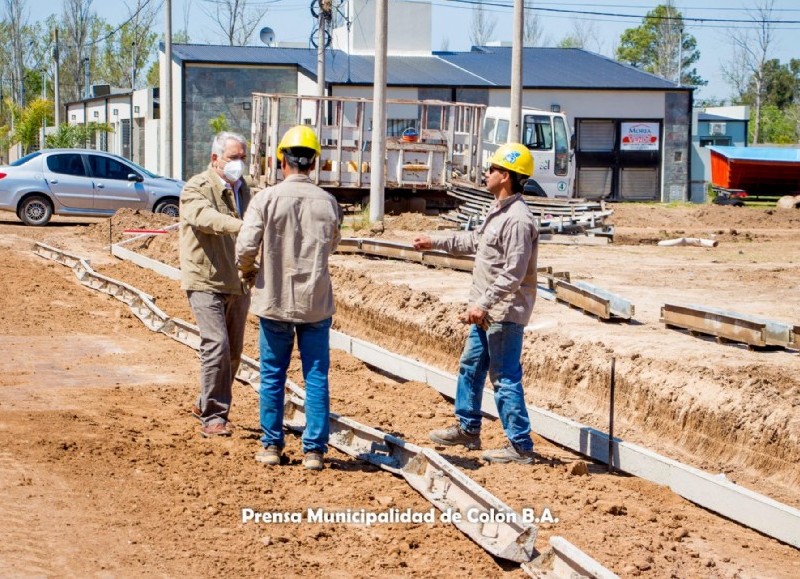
(510, 453)
(215, 429)
(313, 460)
(454, 436)
(270, 455)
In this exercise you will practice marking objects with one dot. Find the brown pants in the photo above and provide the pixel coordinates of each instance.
(221, 319)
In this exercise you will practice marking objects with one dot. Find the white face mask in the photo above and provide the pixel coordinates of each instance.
(233, 170)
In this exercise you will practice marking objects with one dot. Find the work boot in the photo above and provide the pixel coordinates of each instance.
(215, 429)
(454, 435)
(270, 455)
(510, 453)
(313, 460)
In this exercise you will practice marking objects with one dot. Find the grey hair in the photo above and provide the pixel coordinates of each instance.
(221, 139)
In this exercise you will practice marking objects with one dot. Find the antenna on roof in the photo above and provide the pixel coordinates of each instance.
(267, 36)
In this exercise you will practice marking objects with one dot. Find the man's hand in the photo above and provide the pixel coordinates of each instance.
(422, 242)
(249, 278)
(475, 315)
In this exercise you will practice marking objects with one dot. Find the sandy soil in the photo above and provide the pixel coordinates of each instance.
(103, 471)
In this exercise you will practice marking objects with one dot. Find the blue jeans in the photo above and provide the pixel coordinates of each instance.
(496, 352)
(276, 340)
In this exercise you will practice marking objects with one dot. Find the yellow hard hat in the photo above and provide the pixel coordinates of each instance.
(299, 136)
(514, 157)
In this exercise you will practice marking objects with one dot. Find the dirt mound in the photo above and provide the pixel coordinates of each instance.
(640, 215)
(113, 229)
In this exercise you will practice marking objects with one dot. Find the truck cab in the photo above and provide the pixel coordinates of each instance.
(547, 136)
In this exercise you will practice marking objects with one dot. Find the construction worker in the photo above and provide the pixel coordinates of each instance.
(500, 304)
(295, 225)
(211, 207)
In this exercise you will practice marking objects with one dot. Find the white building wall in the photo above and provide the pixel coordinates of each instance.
(306, 85)
(409, 28)
(395, 111)
(177, 117)
(152, 146)
(589, 104)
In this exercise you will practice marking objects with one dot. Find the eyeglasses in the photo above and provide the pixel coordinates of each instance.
(492, 169)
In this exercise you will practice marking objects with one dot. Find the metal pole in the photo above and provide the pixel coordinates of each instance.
(321, 53)
(377, 161)
(56, 84)
(611, 419)
(86, 77)
(516, 72)
(166, 98)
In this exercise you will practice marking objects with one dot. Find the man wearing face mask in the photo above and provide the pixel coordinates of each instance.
(211, 209)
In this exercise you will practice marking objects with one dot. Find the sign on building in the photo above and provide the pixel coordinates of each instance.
(639, 137)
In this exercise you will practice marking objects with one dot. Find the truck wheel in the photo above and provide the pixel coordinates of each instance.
(35, 210)
(168, 206)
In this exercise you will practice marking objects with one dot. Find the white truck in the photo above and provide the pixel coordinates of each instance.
(547, 136)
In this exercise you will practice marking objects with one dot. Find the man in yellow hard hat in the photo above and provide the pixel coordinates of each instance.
(500, 304)
(293, 227)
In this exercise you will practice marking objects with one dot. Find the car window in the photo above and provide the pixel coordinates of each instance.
(66, 164)
(108, 168)
(25, 159)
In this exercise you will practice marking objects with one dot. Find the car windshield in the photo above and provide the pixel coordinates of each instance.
(143, 170)
(25, 159)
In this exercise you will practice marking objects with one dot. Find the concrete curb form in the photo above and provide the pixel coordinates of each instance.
(145, 262)
(715, 493)
(565, 561)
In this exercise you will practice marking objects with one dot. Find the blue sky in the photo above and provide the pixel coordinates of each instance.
(291, 20)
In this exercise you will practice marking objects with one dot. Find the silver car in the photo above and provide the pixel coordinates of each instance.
(82, 182)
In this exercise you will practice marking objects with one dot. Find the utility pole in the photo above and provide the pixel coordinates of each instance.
(56, 84)
(166, 98)
(516, 72)
(377, 161)
(87, 92)
(324, 16)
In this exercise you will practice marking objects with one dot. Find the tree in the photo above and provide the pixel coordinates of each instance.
(130, 48)
(583, 35)
(17, 21)
(237, 19)
(662, 46)
(533, 31)
(482, 26)
(75, 136)
(30, 120)
(218, 124)
(750, 56)
(81, 31)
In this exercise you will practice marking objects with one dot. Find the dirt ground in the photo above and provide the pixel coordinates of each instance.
(103, 472)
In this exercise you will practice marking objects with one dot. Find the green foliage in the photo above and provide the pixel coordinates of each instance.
(29, 122)
(570, 41)
(661, 46)
(777, 126)
(75, 136)
(153, 75)
(218, 124)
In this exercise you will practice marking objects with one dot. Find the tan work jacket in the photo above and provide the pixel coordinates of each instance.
(295, 224)
(505, 247)
(208, 227)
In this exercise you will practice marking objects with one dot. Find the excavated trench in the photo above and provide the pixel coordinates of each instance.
(660, 404)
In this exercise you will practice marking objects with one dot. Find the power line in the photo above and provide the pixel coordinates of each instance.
(700, 20)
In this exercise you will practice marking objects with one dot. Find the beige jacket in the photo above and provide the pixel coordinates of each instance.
(295, 225)
(505, 248)
(208, 227)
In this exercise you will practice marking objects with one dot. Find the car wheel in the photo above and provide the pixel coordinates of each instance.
(168, 207)
(35, 210)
